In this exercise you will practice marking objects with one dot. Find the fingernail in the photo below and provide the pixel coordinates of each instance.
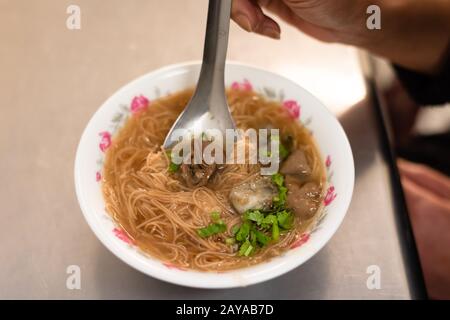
(243, 21)
(271, 32)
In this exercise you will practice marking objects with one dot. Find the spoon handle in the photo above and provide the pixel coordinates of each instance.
(211, 86)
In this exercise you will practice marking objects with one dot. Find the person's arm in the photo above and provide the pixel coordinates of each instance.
(414, 33)
(415, 37)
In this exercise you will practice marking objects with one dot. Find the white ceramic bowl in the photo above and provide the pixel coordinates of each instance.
(328, 133)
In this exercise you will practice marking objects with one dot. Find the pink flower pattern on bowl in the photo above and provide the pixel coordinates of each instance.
(105, 141)
(329, 196)
(139, 103)
(328, 161)
(302, 240)
(245, 85)
(122, 235)
(292, 107)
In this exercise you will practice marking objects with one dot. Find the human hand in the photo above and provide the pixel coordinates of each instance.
(414, 34)
(427, 194)
(325, 20)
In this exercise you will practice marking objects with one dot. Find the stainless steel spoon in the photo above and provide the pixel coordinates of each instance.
(208, 108)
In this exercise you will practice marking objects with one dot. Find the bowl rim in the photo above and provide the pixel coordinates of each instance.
(179, 277)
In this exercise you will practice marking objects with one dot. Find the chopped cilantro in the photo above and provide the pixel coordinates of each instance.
(278, 179)
(246, 248)
(268, 221)
(275, 231)
(279, 200)
(262, 238)
(235, 229)
(212, 229)
(243, 232)
(285, 219)
(230, 241)
(254, 215)
(283, 150)
(259, 227)
(173, 167)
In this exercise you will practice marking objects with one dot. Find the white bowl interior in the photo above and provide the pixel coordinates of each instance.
(328, 134)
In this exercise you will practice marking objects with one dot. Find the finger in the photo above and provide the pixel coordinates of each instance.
(249, 16)
(242, 12)
(425, 177)
(282, 10)
(268, 27)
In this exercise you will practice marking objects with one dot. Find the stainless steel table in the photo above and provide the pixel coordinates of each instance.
(52, 80)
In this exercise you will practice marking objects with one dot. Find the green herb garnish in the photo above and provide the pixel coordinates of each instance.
(235, 229)
(278, 179)
(285, 219)
(279, 200)
(254, 215)
(283, 151)
(246, 248)
(275, 231)
(262, 238)
(259, 227)
(230, 241)
(243, 232)
(173, 167)
(214, 228)
(268, 221)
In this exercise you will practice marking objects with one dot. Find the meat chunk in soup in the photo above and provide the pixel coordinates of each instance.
(254, 194)
(197, 175)
(304, 200)
(296, 164)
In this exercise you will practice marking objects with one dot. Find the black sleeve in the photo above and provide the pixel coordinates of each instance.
(425, 89)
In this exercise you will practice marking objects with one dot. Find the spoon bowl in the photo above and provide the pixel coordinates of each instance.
(208, 108)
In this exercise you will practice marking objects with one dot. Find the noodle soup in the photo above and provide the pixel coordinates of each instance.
(230, 217)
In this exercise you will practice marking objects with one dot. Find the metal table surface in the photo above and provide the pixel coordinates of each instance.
(53, 79)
